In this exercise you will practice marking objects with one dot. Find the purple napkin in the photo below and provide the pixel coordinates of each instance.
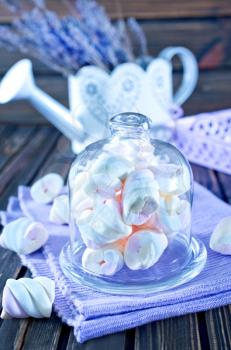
(93, 314)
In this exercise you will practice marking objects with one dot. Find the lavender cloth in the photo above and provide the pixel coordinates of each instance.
(93, 314)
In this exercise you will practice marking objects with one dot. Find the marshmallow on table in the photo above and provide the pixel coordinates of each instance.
(102, 261)
(47, 188)
(23, 236)
(102, 224)
(144, 248)
(59, 213)
(220, 240)
(140, 197)
(28, 297)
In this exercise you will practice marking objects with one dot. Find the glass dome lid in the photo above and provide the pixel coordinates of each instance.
(130, 214)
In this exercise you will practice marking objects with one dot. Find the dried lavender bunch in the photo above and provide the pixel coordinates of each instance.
(68, 43)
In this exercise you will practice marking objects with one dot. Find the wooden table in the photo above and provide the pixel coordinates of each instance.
(26, 153)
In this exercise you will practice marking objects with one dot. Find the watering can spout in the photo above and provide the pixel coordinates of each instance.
(18, 83)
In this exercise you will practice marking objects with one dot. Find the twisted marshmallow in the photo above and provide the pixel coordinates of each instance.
(28, 297)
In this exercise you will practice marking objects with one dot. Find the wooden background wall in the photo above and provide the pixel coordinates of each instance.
(204, 26)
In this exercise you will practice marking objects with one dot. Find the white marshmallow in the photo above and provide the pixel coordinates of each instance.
(104, 261)
(80, 201)
(220, 240)
(172, 178)
(140, 197)
(59, 213)
(139, 153)
(114, 166)
(47, 188)
(23, 236)
(144, 248)
(174, 215)
(106, 174)
(103, 224)
(28, 297)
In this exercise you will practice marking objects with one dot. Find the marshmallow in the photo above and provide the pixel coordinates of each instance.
(47, 188)
(104, 261)
(144, 248)
(106, 174)
(28, 297)
(172, 178)
(140, 197)
(220, 240)
(153, 223)
(102, 224)
(114, 166)
(23, 236)
(138, 152)
(59, 213)
(80, 201)
(174, 215)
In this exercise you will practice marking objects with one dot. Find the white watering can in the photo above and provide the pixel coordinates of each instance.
(95, 96)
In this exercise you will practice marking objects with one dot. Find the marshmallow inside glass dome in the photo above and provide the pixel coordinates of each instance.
(130, 210)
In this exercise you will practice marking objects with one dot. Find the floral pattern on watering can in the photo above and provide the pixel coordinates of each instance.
(96, 95)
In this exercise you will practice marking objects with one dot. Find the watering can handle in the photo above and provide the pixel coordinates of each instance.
(190, 71)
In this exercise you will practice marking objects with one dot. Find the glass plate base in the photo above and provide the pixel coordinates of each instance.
(71, 266)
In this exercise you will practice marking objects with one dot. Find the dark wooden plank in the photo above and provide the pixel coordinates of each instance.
(12, 140)
(175, 333)
(212, 93)
(27, 163)
(8, 330)
(167, 9)
(208, 39)
(10, 267)
(42, 334)
(225, 183)
(207, 178)
(112, 342)
(59, 160)
(8, 58)
(218, 323)
(148, 8)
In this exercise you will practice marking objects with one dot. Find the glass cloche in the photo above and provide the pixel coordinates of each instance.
(130, 213)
